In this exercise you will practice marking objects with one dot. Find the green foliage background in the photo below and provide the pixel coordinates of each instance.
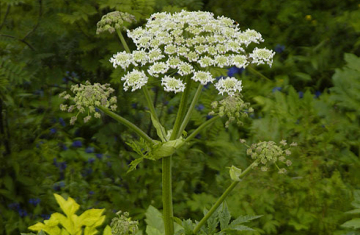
(311, 96)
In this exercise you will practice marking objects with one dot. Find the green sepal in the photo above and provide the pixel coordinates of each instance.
(235, 173)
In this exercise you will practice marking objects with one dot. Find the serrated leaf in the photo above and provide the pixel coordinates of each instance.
(353, 61)
(239, 228)
(355, 211)
(353, 224)
(212, 222)
(134, 164)
(244, 219)
(224, 216)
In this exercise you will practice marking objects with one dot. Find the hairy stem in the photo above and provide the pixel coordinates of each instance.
(166, 167)
(221, 199)
(127, 123)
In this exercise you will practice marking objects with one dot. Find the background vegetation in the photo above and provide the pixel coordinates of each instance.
(311, 95)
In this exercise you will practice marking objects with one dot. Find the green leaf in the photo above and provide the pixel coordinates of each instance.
(235, 173)
(69, 207)
(91, 217)
(243, 219)
(212, 222)
(152, 231)
(107, 230)
(353, 224)
(239, 228)
(353, 61)
(224, 216)
(160, 130)
(188, 226)
(134, 164)
(355, 211)
(154, 219)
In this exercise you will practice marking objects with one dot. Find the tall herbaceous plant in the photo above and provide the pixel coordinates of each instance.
(177, 51)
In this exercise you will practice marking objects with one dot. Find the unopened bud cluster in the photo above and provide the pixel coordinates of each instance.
(88, 97)
(268, 152)
(123, 225)
(114, 20)
(233, 107)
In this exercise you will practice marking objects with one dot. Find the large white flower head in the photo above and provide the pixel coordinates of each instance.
(187, 44)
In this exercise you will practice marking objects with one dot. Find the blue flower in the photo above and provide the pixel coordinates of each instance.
(59, 185)
(34, 201)
(91, 160)
(39, 92)
(198, 136)
(99, 155)
(301, 94)
(279, 48)
(22, 212)
(45, 216)
(91, 192)
(199, 107)
(134, 105)
(317, 94)
(97, 110)
(234, 70)
(14, 206)
(62, 122)
(53, 130)
(62, 166)
(275, 89)
(55, 162)
(77, 144)
(89, 150)
(208, 117)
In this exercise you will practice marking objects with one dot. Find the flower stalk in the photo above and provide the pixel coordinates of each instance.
(127, 123)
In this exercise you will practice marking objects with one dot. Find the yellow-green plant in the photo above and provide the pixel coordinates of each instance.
(70, 223)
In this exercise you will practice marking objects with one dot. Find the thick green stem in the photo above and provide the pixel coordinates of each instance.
(127, 123)
(222, 198)
(166, 167)
(167, 196)
(189, 112)
(123, 42)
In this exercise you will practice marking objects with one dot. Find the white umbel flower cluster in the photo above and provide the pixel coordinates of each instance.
(186, 44)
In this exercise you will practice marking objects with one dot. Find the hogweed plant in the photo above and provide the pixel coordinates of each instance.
(178, 51)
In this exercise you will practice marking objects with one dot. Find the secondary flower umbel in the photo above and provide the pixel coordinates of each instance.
(268, 152)
(187, 44)
(88, 97)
